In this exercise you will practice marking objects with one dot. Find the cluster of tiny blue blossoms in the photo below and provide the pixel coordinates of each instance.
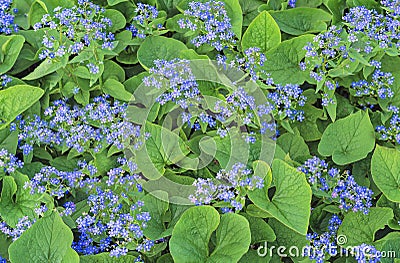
(143, 21)
(229, 186)
(339, 186)
(378, 87)
(326, 244)
(111, 212)
(176, 80)
(84, 129)
(9, 162)
(287, 101)
(22, 225)
(70, 30)
(7, 25)
(250, 63)
(211, 23)
(5, 79)
(292, 3)
(392, 132)
(375, 29)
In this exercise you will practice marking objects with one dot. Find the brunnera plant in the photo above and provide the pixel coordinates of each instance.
(199, 131)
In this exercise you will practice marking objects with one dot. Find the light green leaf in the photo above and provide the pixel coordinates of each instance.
(192, 234)
(46, 67)
(158, 47)
(301, 20)
(294, 145)
(282, 61)
(288, 238)
(16, 202)
(117, 90)
(48, 240)
(106, 258)
(114, 2)
(263, 32)
(349, 139)
(385, 169)
(260, 230)
(117, 18)
(10, 48)
(229, 247)
(359, 228)
(162, 148)
(292, 190)
(155, 204)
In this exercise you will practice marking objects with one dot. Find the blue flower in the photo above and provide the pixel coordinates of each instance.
(7, 25)
(211, 23)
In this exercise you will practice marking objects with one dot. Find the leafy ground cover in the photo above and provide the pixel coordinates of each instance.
(199, 131)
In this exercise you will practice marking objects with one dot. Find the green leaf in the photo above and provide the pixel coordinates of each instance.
(282, 61)
(359, 228)
(15, 100)
(192, 234)
(301, 20)
(385, 169)
(162, 148)
(309, 128)
(117, 90)
(16, 202)
(106, 258)
(46, 67)
(263, 32)
(349, 139)
(48, 240)
(10, 48)
(294, 145)
(260, 230)
(117, 18)
(229, 247)
(292, 190)
(288, 238)
(114, 2)
(155, 204)
(157, 47)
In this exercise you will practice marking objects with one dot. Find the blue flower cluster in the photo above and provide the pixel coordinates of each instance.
(76, 28)
(341, 186)
(365, 253)
(5, 79)
(211, 22)
(325, 243)
(378, 29)
(292, 3)
(378, 87)
(23, 224)
(177, 81)
(143, 20)
(286, 101)
(392, 132)
(328, 48)
(111, 212)
(229, 186)
(7, 25)
(84, 129)
(252, 60)
(9, 162)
